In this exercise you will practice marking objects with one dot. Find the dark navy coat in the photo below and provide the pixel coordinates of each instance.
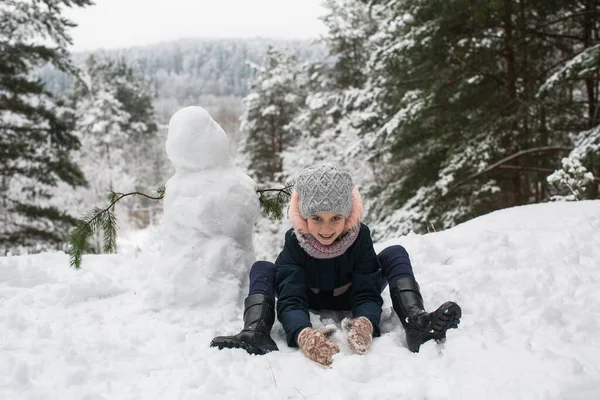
(297, 273)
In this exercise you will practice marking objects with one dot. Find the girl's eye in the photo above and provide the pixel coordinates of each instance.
(336, 218)
(316, 219)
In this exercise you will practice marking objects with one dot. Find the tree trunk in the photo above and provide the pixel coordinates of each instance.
(511, 77)
(543, 184)
(109, 162)
(273, 148)
(527, 138)
(279, 158)
(591, 84)
(591, 89)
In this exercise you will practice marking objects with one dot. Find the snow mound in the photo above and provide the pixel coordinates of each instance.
(527, 279)
(210, 209)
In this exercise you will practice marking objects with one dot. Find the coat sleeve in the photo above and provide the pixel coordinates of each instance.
(367, 281)
(292, 297)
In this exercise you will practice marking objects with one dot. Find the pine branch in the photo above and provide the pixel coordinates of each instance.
(101, 219)
(109, 229)
(271, 201)
(78, 239)
(160, 191)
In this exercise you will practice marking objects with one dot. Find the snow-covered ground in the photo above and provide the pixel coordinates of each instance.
(528, 281)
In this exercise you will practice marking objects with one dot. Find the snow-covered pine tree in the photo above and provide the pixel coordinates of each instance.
(315, 124)
(576, 77)
(350, 24)
(115, 123)
(571, 181)
(326, 123)
(274, 99)
(35, 131)
(455, 126)
(145, 158)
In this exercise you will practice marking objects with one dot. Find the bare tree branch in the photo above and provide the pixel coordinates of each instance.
(534, 169)
(556, 21)
(554, 35)
(284, 190)
(507, 159)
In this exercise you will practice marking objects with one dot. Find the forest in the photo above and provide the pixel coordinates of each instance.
(444, 110)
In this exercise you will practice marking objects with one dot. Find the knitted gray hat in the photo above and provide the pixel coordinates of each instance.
(323, 188)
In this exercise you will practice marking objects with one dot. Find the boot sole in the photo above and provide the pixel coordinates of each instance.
(447, 316)
(233, 344)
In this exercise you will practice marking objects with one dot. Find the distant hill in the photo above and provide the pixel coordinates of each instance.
(209, 72)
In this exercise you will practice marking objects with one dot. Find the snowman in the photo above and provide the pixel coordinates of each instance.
(210, 208)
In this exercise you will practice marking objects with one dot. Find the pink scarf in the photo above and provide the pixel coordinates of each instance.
(317, 250)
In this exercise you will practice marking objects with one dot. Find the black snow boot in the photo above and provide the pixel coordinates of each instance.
(419, 325)
(255, 338)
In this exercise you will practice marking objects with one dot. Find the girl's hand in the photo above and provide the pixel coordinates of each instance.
(315, 345)
(360, 334)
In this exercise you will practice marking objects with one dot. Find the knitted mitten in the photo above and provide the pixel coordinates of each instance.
(315, 345)
(360, 334)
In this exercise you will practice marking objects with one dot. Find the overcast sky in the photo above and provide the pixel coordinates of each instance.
(122, 23)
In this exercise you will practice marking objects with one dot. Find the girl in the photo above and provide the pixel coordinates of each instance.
(328, 262)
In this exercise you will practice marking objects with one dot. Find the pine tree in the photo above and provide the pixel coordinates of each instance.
(455, 126)
(576, 79)
(349, 27)
(134, 91)
(274, 100)
(36, 138)
(115, 123)
(326, 122)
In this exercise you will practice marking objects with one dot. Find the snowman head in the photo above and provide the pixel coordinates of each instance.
(196, 142)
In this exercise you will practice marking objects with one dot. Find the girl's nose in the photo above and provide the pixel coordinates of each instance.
(328, 230)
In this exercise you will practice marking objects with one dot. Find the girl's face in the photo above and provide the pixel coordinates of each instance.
(326, 226)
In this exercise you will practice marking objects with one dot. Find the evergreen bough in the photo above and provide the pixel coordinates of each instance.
(104, 220)
(272, 201)
(36, 129)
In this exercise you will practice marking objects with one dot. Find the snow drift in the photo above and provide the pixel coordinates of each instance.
(526, 278)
